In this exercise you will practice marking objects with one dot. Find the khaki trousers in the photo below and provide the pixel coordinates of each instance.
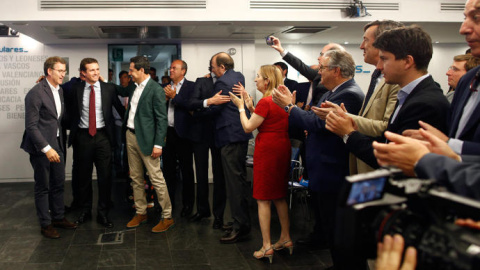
(136, 161)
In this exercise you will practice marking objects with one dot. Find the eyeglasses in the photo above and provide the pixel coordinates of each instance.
(454, 69)
(325, 67)
(61, 71)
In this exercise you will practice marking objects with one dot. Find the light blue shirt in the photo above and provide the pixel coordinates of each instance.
(86, 106)
(472, 102)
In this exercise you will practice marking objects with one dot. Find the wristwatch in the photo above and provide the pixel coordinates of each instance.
(287, 108)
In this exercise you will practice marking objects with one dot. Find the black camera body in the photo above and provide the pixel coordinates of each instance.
(379, 203)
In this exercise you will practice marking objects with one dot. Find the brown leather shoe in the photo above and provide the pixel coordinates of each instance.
(63, 223)
(50, 232)
(164, 225)
(136, 221)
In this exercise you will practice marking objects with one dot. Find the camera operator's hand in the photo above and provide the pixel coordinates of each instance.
(389, 254)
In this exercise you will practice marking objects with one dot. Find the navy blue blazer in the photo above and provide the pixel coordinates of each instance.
(183, 118)
(471, 133)
(41, 120)
(228, 128)
(290, 84)
(426, 102)
(326, 154)
(202, 127)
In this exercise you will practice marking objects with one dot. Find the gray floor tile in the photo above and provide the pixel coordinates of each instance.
(118, 257)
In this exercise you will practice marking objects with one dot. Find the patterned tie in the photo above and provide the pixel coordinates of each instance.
(371, 88)
(92, 121)
(474, 82)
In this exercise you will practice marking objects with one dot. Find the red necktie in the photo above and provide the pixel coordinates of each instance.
(92, 121)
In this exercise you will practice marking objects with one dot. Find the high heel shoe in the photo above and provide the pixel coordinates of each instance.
(263, 254)
(279, 246)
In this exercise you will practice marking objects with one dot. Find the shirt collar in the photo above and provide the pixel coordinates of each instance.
(53, 87)
(180, 83)
(336, 87)
(144, 83)
(95, 85)
(407, 89)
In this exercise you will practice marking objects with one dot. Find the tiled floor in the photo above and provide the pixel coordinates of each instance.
(187, 246)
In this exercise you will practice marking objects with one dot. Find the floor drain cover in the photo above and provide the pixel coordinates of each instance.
(110, 238)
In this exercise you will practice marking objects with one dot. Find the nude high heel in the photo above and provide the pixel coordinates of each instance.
(279, 246)
(262, 253)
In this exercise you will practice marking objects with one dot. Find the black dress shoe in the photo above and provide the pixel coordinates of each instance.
(217, 224)
(84, 217)
(233, 236)
(186, 211)
(197, 217)
(227, 227)
(104, 221)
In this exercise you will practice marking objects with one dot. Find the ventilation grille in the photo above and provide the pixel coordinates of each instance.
(96, 4)
(316, 4)
(452, 6)
(305, 30)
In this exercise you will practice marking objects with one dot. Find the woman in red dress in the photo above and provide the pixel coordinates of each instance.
(271, 157)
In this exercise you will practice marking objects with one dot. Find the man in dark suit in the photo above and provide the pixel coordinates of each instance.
(405, 63)
(233, 144)
(179, 144)
(92, 128)
(327, 157)
(43, 141)
(203, 139)
(146, 124)
(317, 89)
(290, 84)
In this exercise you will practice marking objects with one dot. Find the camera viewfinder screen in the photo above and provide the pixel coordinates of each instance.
(366, 191)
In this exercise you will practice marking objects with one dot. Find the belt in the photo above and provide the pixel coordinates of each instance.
(86, 129)
(131, 130)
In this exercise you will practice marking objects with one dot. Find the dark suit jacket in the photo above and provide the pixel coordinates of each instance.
(150, 117)
(41, 119)
(462, 178)
(228, 128)
(426, 102)
(202, 127)
(183, 118)
(309, 73)
(326, 154)
(471, 133)
(75, 105)
(291, 84)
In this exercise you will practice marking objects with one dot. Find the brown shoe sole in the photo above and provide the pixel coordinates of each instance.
(169, 227)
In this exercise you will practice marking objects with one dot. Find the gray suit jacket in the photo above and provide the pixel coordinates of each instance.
(41, 120)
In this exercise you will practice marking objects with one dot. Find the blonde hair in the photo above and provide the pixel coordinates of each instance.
(274, 76)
